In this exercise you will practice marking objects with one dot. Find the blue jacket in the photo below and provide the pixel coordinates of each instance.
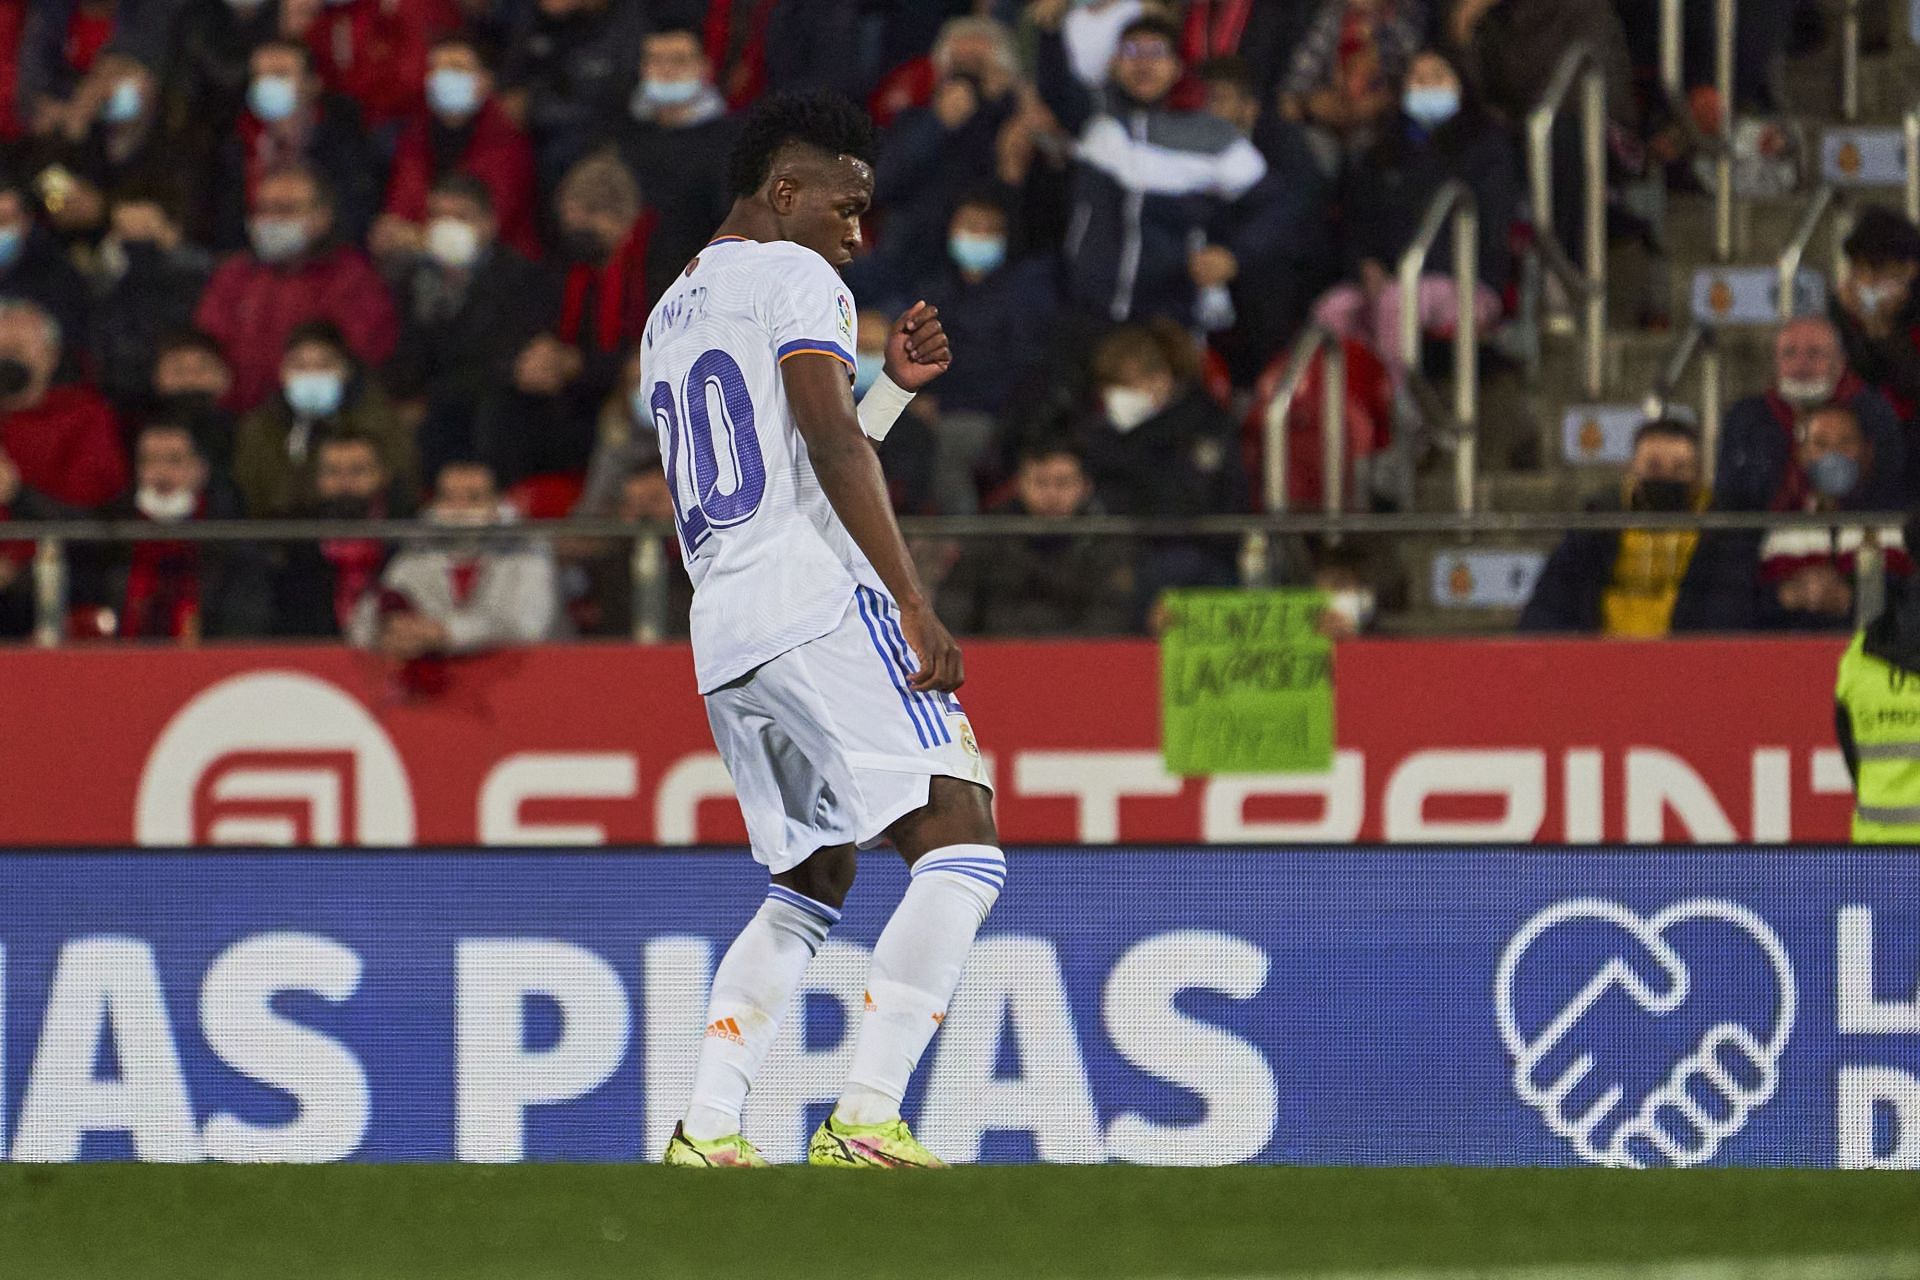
(1756, 452)
(998, 328)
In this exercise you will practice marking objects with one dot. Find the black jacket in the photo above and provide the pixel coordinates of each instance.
(1183, 461)
(234, 582)
(156, 296)
(455, 349)
(340, 150)
(1719, 591)
(1040, 586)
(44, 276)
(1387, 193)
(683, 175)
(1756, 452)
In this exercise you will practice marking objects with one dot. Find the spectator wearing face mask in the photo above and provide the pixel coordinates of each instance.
(1345, 577)
(544, 420)
(1877, 310)
(206, 83)
(1160, 446)
(467, 596)
(1347, 70)
(1046, 584)
(34, 266)
(322, 391)
(1808, 575)
(461, 129)
(1436, 138)
(150, 279)
(291, 121)
(372, 51)
(62, 438)
(175, 590)
(468, 306)
(63, 40)
(318, 586)
(296, 271)
(191, 382)
(1757, 468)
(988, 302)
(113, 139)
(675, 139)
(1649, 582)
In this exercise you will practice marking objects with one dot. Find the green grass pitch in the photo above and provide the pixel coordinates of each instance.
(120, 1222)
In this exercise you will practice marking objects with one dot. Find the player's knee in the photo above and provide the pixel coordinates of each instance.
(825, 877)
(977, 870)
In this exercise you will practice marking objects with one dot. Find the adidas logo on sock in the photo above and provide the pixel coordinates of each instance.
(725, 1029)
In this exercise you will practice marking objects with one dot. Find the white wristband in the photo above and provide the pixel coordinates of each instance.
(882, 406)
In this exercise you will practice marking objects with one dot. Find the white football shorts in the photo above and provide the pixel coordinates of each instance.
(828, 744)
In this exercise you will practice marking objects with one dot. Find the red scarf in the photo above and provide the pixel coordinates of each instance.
(1214, 29)
(265, 151)
(356, 567)
(163, 590)
(465, 574)
(609, 285)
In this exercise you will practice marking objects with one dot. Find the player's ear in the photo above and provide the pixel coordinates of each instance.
(782, 193)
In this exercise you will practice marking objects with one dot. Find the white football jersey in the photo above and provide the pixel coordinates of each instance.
(772, 566)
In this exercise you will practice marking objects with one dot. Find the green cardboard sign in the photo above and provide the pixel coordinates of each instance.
(1246, 683)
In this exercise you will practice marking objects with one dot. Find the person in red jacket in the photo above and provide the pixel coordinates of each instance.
(295, 272)
(63, 440)
(463, 129)
(373, 51)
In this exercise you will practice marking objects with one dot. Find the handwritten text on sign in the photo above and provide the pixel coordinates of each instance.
(1246, 683)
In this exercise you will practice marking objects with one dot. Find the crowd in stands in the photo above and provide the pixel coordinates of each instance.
(354, 258)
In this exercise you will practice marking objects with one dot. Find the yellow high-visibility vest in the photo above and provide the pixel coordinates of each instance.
(1883, 706)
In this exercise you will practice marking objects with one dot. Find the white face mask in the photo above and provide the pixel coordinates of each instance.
(1803, 393)
(1128, 407)
(453, 243)
(1355, 604)
(166, 508)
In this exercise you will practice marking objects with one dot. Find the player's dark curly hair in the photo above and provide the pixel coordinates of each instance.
(823, 120)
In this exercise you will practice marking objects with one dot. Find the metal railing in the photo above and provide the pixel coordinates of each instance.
(651, 569)
(1453, 205)
(1910, 127)
(1673, 81)
(1850, 61)
(1826, 200)
(1587, 283)
(1333, 421)
(1698, 345)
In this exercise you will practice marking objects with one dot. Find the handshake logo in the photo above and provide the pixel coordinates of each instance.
(1645, 1040)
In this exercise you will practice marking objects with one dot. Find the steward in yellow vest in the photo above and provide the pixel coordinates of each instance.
(1877, 715)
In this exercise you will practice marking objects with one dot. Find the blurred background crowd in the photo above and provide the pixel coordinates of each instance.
(353, 258)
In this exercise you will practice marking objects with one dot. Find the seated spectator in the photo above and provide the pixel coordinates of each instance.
(1161, 447)
(627, 441)
(571, 71)
(1345, 79)
(34, 265)
(171, 590)
(296, 271)
(461, 130)
(1153, 188)
(318, 586)
(151, 280)
(1877, 310)
(19, 502)
(1808, 574)
(676, 140)
(191, 379)
(1438, 137)
(606, 606)
(1648, 582)
(988, 304)
(468, 307)
(1345, 576)
(465, 597)
(1757, 469)
(1044, 584)
(372, 51)
(63, 439)
(290, 121)
(934, 155)
(62, 41)
(208, 65)
(323, 390)
(544, 421)
(113, 139)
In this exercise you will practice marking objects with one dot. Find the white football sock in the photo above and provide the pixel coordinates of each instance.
(916, 966)
(751, 991)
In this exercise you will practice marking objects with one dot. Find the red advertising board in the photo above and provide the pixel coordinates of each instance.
(1483, 741)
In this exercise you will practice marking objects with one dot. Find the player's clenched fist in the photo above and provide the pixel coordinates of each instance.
(917, 348)
(941, 670)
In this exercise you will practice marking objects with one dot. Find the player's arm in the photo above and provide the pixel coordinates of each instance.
(822, 404)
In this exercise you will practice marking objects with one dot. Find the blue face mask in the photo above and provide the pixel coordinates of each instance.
(273, 98)
(1833, 475)
(671, 93)
(13, 242)
(1431, 105)
(979, 254)
(866, 371)
(123, 104)
(451, 92)
(315, 393)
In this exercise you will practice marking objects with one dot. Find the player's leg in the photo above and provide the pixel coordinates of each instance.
(957, 869)
(754, 986)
